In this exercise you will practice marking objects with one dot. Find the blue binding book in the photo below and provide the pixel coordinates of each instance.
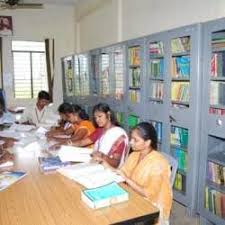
(104, 196)
(51, 163)
(7, 178)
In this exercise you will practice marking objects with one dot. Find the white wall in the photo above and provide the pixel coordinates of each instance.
(142, 17)
(99, 28)
(53, 21)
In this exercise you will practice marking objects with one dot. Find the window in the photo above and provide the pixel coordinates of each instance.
(30, 75)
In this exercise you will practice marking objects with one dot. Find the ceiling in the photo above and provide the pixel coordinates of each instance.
(57, 2)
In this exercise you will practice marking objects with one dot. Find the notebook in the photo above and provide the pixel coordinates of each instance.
(51, 163)
(7, 178)
(104, 196)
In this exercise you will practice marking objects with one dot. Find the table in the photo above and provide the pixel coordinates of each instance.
(52, 199)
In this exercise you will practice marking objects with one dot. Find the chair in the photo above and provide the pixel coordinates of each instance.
(173, 164)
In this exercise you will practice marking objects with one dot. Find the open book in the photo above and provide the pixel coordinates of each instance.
(90, 175)
(7, 178)
(104, 196)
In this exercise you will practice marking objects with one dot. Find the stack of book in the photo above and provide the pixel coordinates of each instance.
(104, 196)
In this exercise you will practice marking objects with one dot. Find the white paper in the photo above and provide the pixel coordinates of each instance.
(10, 134)
(6, 164)
(74, 154)
(22, 127)
(41, 130)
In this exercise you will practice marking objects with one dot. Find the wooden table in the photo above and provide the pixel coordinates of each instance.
(40, 199)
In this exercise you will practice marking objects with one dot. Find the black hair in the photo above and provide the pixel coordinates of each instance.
(81, 112)
(147, 132)
(65, 107)
(103, 107)
(70, 108)
(44, 95)
(2, 103)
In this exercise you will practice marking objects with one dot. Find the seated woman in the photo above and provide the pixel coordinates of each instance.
(80, 125)
(147, 171)
(64, 127)
(110, 141)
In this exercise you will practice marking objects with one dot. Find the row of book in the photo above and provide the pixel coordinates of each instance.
(180, 92)
(180, 45)
(157, 68)
(180, 182)
(216, 173)
(104, 82)
(181, 156)
(135, 77)
(216, 111)
(217, 90)
(119, 74)
(215, 202)
(134, 56)
(180, 67)
(135, 96)
(158, 127)
(218, 64)
(179, 136)
(68, 71)
(157, 90)
(218, 43)
(156, 48)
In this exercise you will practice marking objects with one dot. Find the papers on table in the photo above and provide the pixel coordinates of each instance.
(90, 175)
(6, 164)
(10, 134)
(22, 127)
(74, 154)
(41, 130)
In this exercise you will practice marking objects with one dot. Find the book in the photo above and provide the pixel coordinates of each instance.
(104, 196)
(51, 163)
(74, 154)
(90, 175)
(7, 178)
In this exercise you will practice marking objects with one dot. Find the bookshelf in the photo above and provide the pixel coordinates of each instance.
(105, 73)
(172, 103)
(156, 90)
(81, 78)
(77, 83)
(135, 81)
(157, 78)
(183, 125)
(212, 169)
(94, 73)
(68, 77)
(84, 74)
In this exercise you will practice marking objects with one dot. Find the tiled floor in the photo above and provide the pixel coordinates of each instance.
(179, 217)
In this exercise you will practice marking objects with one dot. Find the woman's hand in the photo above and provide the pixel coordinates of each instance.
(97, 156)
(54, 147)
(122, 174)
